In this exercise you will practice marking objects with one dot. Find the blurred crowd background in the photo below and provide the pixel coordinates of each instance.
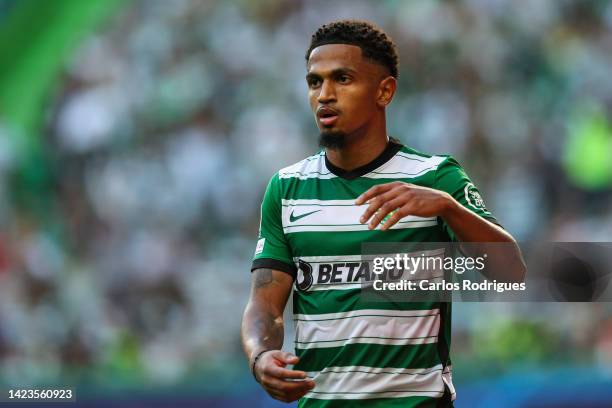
(137, 138)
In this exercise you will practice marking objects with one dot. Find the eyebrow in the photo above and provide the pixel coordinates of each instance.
(335, 72)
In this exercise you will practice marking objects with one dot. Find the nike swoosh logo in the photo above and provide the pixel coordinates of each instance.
(293, 218)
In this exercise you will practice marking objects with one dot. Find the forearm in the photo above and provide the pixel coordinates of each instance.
(262, 322)
(262, 329)
(505, 261)
(469, 227)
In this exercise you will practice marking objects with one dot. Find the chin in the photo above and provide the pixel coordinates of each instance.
(332, 138)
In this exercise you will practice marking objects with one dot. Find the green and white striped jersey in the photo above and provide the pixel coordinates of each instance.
(360, 353)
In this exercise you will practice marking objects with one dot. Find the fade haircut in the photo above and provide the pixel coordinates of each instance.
(374, 43)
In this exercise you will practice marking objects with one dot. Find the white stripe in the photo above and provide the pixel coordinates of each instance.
(367, 329)
(377, 370)
(365, 312)
(337, 217)
(402, 165)
(328, 258)
(414, 157)
(406, 166)
(311, 167)
(304, 176)
(397, 175)
(358, 382)
(447, 377)
(300, 202)
(361, 340)
(357, 227)
(336, 286)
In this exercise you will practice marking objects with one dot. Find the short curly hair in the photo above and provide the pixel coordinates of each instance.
(375, 44)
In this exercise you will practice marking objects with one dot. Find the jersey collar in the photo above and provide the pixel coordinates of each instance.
(386, 155)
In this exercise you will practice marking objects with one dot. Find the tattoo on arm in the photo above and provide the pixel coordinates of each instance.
(262, 277)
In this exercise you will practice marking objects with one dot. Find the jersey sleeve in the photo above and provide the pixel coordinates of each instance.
(272, 250)
(451, 177)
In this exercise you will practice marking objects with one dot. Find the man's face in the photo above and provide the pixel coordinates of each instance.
(342, 88)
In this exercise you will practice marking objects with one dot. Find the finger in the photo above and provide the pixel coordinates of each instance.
(377, 203)
(296, 396)
(286, 357)
(290, 392)
(287, 397)
(280, 372)
(373, 192)
(387, 208)
(394, 218)
(278, 395)
(279, 385)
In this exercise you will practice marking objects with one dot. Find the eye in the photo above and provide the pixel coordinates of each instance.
(313, 82)
(344, 79)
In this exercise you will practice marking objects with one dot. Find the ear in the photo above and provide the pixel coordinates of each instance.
(386, 90)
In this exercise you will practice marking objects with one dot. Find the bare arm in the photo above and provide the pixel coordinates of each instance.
(263, 330)
(468, 227)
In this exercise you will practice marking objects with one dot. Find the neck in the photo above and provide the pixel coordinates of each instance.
(359, 149)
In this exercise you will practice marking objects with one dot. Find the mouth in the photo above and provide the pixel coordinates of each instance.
(327, 116)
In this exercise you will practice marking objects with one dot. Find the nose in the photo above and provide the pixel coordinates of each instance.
(327, 93)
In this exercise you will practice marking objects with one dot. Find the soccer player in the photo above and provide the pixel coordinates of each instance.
(350, 352)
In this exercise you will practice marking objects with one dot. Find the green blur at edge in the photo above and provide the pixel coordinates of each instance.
(36, 40)
(589, 148)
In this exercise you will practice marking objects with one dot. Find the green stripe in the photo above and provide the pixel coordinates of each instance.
(368, 355)
(407, 402)
(318, 205)
(291, 174)
(338, 301)
(410, 175)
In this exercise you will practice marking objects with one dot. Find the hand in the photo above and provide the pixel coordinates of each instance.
(270, 371)
(402, 199)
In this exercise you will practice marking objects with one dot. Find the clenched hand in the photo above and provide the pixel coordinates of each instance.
(270, 371)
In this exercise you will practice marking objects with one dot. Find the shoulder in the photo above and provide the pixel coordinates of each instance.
(432, 160)
(312, 166)
(416, 163)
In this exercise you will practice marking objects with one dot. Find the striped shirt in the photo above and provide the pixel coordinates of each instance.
(359, 352)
